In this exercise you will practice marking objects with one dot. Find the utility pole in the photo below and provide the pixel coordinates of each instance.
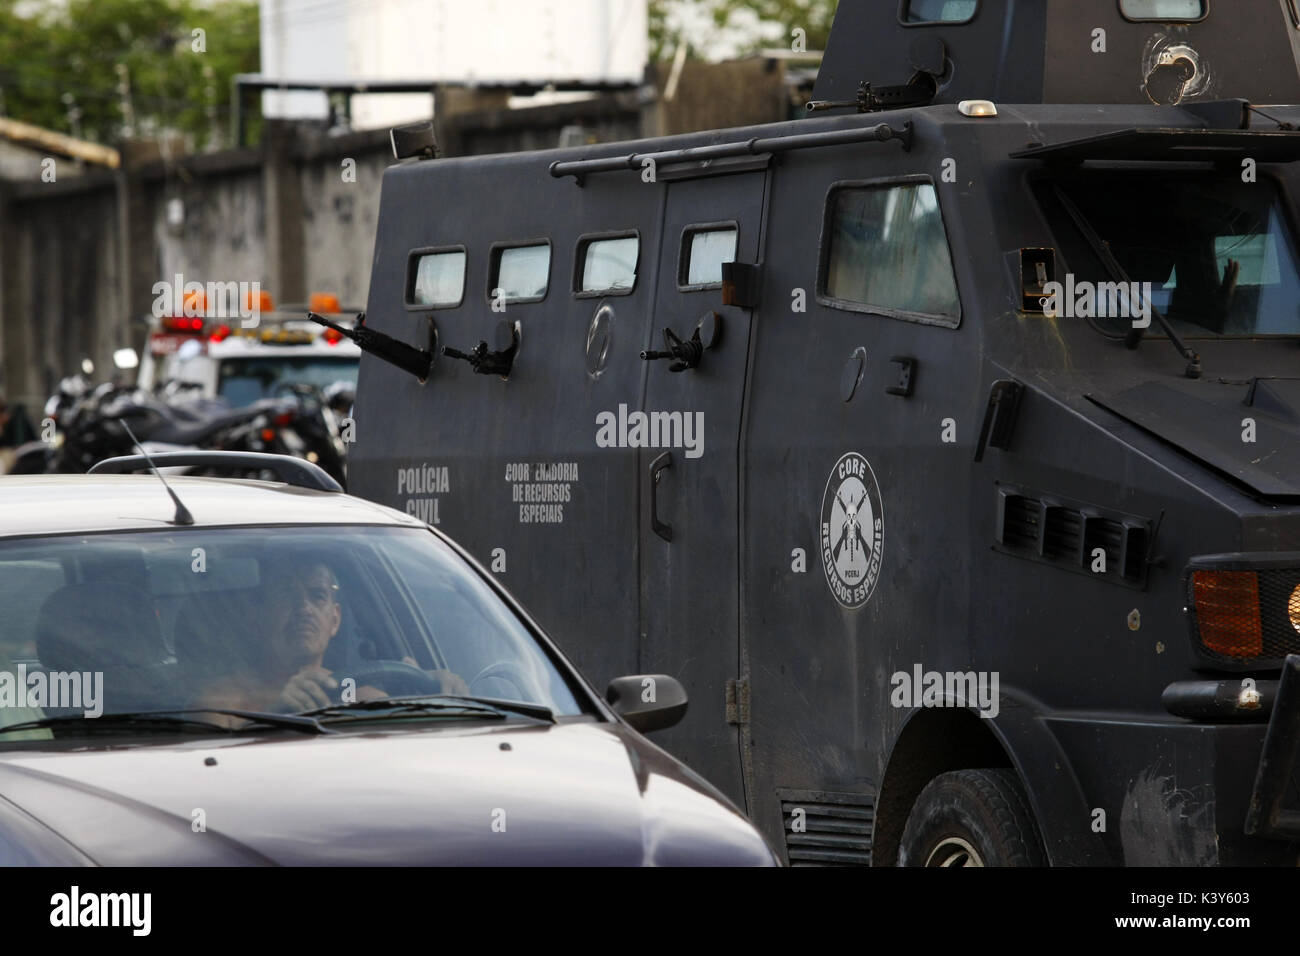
(124, 91)
(210, 92)
(74, 115)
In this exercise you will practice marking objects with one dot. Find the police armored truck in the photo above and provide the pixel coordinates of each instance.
(945, 443)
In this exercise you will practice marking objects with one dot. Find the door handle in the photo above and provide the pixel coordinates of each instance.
(656, 469)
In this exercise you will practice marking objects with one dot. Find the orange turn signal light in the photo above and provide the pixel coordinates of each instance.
(1227, 612)
(1293, 607)
(264, 302)
(325, 303)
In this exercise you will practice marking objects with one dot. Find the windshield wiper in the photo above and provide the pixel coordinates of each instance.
(174, 719)
(1134, 335)
(485, 706)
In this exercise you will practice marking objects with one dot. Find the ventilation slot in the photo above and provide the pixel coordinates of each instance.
(1134, 555)
(1105, 534)
(1063, 534)
(827, 829)
(1022, 521)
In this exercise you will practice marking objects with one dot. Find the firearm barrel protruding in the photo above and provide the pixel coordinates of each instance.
(406, 357)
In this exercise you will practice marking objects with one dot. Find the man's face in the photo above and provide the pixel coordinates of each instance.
(302, 613)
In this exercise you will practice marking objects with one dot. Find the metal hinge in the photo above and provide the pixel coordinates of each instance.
(737, 702)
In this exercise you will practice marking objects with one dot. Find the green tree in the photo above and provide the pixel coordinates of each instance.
(757, 23)
(66, 66)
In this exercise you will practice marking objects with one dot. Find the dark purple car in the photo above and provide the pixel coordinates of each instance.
(272, 672)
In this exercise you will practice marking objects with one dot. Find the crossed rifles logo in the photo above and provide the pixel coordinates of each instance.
(851, 518)
(851, 531)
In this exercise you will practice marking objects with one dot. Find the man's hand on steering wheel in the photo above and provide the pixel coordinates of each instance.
(452, 683)
(315, 687)
(308, 689)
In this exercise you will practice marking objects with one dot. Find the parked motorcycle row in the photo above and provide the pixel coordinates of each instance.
(85, 423)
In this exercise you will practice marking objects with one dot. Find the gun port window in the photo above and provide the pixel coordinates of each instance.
(438, 279)
(521, 273)
(1163, 10)
(938, 11)
(706, 249)
(608, 266)
(886, 251)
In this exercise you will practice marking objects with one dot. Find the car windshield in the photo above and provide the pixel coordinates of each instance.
(242, 381)
(1218, 253)
(286, 619)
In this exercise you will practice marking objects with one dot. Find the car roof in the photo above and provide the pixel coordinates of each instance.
(62, 504)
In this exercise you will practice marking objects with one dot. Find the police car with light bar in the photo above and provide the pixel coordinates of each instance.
(221, 358)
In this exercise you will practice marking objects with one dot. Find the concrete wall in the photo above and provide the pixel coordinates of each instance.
(60, 262)
(339, 219)
(79, 259)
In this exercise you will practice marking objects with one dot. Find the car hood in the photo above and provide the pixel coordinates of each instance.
(1206, 420)
(554, 795)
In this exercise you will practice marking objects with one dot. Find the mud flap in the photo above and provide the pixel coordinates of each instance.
(1275, 802)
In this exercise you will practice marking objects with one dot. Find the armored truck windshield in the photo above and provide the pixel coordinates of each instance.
(1216, 258)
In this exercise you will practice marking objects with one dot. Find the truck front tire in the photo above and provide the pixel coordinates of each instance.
(972, 818)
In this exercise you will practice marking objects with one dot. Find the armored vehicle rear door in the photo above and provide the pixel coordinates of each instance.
(510, 469)
(689, 624)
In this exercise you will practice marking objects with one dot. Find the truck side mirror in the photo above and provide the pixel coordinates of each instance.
(647, 701)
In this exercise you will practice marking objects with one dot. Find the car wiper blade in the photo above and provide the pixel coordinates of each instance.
(540, 711)
(485, 706)
(300, 722)
(1134, 335)
(356, 709)
(176, 719)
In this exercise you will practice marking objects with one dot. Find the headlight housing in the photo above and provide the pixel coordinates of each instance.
(1244, 609)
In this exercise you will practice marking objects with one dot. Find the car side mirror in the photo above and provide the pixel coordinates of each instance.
(647, 701)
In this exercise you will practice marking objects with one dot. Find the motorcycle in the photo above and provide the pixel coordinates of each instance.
(318, 424)
(96, 426)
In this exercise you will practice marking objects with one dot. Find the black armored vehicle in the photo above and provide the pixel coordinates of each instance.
(945, 443)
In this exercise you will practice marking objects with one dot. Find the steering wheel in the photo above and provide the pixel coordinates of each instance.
(507, 669)
(396, 677)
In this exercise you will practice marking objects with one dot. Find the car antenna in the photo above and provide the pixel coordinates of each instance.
(182, 515)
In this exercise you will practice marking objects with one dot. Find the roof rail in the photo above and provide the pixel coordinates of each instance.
(882, 133)
(292, 471)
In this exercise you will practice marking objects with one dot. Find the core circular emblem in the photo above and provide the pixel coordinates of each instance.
(852, 530)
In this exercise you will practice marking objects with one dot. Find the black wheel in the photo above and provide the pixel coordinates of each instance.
(972, 818)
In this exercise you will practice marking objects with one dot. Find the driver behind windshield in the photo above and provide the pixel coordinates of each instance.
(297, 615)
